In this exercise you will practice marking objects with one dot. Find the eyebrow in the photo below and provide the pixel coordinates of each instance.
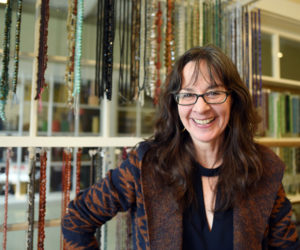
(212, 86)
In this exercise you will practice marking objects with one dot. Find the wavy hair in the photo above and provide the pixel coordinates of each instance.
(172, 154)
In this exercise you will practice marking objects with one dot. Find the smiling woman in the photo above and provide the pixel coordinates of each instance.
(220, 190)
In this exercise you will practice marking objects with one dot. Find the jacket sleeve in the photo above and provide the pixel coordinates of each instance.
(98, 204)
(282, 231)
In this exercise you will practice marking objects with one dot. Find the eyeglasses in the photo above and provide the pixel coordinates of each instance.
(211, 97)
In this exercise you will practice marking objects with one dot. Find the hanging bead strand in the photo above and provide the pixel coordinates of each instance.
(170, 43)
(30, 195)
(4, 81)
(108, 46)
(71, 29)
(42, 201)
(77, 60)
(158, 24)
(150, 57)
(78, 168)
(42, 55)
(17, 46)
(8, 155)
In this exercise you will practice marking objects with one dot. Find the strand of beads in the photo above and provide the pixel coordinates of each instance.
(42, 55)
(8, 155)
(17, 46)
(30, 194)
(71, 29)
(108, 41)
(170, 42)
(77, 60)
(78, 167)
(99, 86)
(42, 201)
(150, 49)
(158, 23)
(4, 83)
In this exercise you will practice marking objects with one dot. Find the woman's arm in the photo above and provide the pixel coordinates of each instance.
(282, 231)
(98, 204)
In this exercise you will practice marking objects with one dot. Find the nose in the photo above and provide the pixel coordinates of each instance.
(201, 106)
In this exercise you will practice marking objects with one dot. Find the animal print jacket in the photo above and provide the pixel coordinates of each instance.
(262, 221)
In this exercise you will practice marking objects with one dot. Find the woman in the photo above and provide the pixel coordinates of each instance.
(201, 182)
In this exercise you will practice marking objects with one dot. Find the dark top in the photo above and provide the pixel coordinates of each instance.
(196, 233)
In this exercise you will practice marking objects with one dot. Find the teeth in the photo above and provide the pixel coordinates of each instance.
(203, 122)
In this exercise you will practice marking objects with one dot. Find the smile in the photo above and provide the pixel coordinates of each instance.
(203, 122)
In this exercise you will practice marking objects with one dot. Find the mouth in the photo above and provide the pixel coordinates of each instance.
(203, 122)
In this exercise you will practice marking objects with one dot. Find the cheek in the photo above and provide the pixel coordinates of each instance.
(183, 112)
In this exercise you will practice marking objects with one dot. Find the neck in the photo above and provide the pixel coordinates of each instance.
(208, 154)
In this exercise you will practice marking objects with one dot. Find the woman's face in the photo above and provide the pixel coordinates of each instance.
(205, 122)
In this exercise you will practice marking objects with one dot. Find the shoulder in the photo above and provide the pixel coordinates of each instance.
(137, 153)
(273, 166)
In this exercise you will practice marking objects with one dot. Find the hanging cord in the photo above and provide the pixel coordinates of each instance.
(42, 200)
(42, 56)
(8, 156)
(71, 29)
(4, 81)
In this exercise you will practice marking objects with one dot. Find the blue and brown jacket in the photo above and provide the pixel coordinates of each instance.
(262, 221)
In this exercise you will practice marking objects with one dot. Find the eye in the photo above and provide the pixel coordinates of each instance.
(213, 93)
(186, 95)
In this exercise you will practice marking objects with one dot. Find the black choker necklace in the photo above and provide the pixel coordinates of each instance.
(208, 172)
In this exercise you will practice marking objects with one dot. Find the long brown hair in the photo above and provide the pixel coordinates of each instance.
(172, 154)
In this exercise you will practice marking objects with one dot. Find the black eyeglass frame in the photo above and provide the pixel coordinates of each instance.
(176, 97)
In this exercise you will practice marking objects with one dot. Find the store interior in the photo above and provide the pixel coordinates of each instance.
(91, 125)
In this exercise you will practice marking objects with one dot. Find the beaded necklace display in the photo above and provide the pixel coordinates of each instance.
(42, 54)
(77, 56)
(71, 28)
(108, 45)
(4, 81)
(31, 194)
(8, 155)
(42, 201)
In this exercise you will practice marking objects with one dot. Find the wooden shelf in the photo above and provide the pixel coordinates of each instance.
(281, 84)
(294, 199)
(279, 142)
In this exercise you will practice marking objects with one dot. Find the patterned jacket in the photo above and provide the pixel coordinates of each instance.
(262, 221)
